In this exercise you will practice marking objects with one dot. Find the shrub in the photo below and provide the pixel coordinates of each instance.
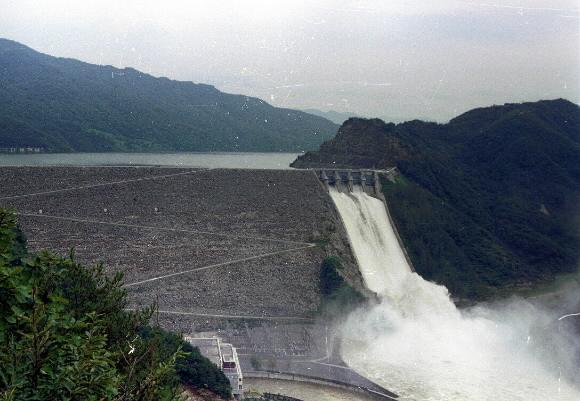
(65, 334)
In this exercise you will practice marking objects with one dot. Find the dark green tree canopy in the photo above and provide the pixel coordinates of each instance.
(66, 105)
(65, 334)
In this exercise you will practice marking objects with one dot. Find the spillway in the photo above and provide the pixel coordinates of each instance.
(418, 344)
(373, 238)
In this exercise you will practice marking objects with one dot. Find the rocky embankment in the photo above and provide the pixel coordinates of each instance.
(204, 242)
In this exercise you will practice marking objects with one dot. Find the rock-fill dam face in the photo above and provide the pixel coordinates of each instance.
(418, 344)
(203, 243)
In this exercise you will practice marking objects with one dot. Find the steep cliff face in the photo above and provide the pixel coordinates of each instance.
(487, 201)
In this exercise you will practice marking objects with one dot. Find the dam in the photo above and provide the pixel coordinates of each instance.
(236, 254)
(232, 253)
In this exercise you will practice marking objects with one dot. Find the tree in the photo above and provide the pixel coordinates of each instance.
(65, 334)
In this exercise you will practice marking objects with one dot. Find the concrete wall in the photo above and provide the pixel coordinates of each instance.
(319, 381)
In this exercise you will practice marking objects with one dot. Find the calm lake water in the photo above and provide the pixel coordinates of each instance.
(269, 161)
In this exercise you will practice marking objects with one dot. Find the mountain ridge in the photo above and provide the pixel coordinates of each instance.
(63, 104)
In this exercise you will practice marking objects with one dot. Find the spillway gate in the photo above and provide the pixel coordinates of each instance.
(346, 179)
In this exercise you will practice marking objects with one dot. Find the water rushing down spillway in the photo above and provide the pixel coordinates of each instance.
(373, 238)
(417, 343)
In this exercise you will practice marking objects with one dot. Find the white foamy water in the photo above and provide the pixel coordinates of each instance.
(418, 344)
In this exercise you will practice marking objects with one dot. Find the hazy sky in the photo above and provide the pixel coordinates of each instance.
(397, 59)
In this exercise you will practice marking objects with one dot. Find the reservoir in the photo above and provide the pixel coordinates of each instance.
(245, 160)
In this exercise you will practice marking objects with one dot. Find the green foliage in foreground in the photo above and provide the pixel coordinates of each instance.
(337, 294)
(65, 334)
(198, 371)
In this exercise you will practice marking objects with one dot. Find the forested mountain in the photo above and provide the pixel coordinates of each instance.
(66, 105)
(486, 201)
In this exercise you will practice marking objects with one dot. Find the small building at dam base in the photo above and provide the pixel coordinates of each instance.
(224, 356)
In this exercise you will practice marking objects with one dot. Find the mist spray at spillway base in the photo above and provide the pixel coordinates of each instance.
(418, 344)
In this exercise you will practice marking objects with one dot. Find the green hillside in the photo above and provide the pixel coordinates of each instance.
(485, 202)
(66, 105)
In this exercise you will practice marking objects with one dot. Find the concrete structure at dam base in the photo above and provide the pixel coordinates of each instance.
(224, 356)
